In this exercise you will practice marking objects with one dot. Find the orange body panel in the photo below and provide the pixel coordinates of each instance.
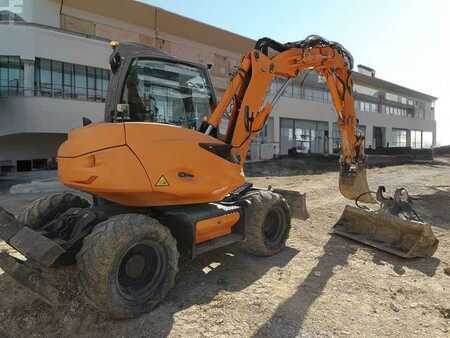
(114, 173)
(91, 138)
(215, 227)
(130, 174)
(168, 150)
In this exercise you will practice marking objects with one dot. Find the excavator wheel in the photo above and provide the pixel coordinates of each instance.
(47, 208)
(268, 224)
(128, 264)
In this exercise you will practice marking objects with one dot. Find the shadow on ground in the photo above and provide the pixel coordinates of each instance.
(290, 315)
(23, 314)
(434, 208)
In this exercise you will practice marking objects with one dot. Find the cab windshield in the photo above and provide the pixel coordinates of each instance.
(166, 92)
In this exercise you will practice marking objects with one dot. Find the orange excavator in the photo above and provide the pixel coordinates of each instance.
(165, 172)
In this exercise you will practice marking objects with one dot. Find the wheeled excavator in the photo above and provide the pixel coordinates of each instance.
(165, 175)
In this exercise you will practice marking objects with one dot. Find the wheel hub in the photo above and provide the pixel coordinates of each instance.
(142, 270)
(135, 265)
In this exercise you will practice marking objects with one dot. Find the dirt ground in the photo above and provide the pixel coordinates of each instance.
(320, 285)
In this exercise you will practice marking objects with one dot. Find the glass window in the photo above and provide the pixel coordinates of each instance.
(80, 82)
(365, 90)
(167, 92)
(374, 108)
(98, 84)
(61, 79)
(11, 76)
(308, 93)
(91, 83)
(3, 76)
(57, 78)
(427, 139)
(392, 97)
(288, 90)
(416, 139)
(45, 77)
(296, 89)
(68, 80)
(399, 137)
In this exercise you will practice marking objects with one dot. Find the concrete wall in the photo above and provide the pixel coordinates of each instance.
(30, 42)
(45, 115)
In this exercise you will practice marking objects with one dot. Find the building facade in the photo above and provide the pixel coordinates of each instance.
(54, 71)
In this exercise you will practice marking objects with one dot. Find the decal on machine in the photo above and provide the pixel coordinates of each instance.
(162, 182)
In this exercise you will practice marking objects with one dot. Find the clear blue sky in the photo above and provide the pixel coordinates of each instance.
(406, 41)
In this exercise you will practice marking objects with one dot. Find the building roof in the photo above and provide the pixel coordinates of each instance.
(158, 19)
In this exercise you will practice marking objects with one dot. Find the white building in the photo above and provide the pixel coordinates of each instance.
(54, 70)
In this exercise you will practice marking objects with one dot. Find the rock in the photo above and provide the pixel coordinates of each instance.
(447, 270)
(317, 273)
(445, 312)
(394, 307)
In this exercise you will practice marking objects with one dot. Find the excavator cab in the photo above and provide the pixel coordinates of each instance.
(151, 86)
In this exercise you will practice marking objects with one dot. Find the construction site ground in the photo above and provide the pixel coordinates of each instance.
(320, 285)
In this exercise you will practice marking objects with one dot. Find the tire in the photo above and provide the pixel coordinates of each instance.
(268, 222)
(47, 208)
(128, 265)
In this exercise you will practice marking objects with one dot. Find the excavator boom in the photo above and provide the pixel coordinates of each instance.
(246, 94)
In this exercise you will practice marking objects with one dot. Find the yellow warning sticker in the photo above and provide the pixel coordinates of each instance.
(162, 182)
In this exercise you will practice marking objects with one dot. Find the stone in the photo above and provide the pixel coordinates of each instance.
(394, 307)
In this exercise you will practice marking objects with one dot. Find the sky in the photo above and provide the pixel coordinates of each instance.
(405, 41)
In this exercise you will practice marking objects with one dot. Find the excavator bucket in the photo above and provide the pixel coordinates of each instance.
(296, 201)
(353, 184)
(395, 227)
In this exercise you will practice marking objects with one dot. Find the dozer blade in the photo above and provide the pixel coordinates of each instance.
(388, 232)
(34, 247)
(353, 184)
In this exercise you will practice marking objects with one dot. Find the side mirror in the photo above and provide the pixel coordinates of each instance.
(86, 121)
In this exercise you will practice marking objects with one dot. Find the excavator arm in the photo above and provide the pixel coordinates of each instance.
(244, 101)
